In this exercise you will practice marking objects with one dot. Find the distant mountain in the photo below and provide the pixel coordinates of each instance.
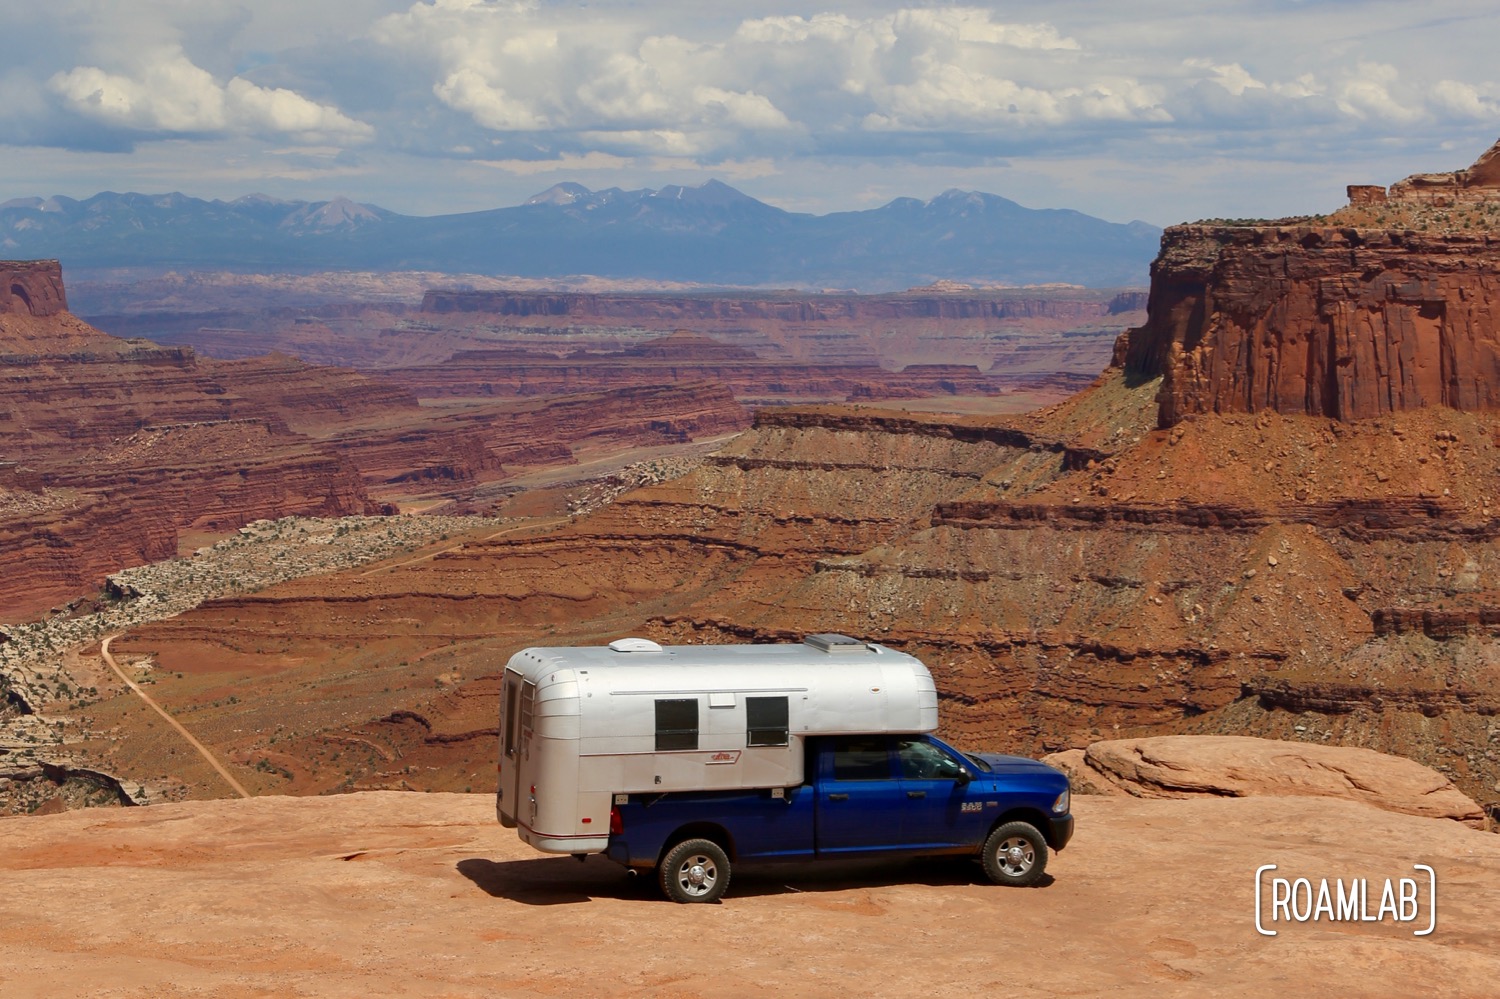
(711, 234)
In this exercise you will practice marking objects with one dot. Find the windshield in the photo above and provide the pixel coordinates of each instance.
(979, 764)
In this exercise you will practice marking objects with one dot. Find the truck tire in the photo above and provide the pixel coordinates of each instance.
(695, 870)
(1015, 854)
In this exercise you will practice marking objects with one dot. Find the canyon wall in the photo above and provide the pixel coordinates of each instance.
(1391, 304)
(1342, 323)
(502, 374)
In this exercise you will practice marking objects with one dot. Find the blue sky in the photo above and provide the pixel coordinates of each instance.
(1162, 111)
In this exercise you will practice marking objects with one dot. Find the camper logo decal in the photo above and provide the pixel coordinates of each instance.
(725, 756)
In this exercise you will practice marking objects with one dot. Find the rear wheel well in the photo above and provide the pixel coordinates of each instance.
(701, 830)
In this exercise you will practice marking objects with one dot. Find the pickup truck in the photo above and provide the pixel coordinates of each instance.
(863, 796)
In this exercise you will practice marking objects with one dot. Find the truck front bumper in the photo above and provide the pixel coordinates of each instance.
(1059, 831)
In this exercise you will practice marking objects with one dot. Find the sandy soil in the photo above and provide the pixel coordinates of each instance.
(393, 894)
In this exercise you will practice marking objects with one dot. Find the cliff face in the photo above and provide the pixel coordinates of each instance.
(1391, 307)
(32, 288)
(1344, 323)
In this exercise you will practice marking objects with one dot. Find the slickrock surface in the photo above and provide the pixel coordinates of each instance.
(397, 894)
(1185, 766)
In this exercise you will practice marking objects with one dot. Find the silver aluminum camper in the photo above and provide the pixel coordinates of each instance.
(581, 725)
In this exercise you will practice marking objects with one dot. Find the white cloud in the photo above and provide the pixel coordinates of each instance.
(169, 93)
(1367, 93)
(469, 89)
(1464, 101)
(513, 69)
(1233, 77)
(273, 109)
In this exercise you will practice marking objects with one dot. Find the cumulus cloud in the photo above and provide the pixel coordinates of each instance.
(771, 81)
(1369, 92)
(1461, 100)
(170, 94)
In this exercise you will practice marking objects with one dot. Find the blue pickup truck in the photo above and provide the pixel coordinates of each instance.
(864, 796)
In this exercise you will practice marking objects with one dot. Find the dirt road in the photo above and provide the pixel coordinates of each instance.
(203, 750)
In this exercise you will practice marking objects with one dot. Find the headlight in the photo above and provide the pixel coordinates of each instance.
(1060, 806)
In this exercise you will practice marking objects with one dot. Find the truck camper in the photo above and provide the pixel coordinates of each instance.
(683, 758)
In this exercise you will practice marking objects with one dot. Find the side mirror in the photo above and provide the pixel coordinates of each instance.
(964, 776)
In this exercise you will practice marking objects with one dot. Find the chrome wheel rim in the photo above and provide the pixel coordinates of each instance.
(697, 875)
(1015, 856)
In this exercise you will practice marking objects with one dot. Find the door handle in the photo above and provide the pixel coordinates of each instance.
(838, 797)
(916, 794)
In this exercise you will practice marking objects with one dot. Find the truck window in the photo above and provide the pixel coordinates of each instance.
(677, 724)
(765, 721)
(923, 761)
(861, 758)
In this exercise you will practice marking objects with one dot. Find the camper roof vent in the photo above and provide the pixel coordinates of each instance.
(634, 645)
(835, 643)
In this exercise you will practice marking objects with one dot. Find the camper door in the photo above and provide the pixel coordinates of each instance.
(517, 700)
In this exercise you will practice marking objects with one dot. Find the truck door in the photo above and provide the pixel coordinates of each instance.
(938, 812)
(859, 797)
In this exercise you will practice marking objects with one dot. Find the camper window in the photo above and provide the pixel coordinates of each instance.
(511, 689)
(765, 721)
(528, 703)
(677, 724)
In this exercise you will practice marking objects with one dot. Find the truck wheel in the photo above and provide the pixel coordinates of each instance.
(695, 870)
(1015, 854)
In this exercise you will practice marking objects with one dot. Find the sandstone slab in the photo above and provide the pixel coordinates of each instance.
(1184, 766)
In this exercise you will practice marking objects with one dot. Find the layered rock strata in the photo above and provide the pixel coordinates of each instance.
(739, 308)
(1342, 323)
(684, 358)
